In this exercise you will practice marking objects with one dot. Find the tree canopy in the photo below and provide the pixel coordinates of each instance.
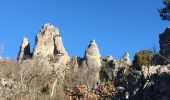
(165, 11)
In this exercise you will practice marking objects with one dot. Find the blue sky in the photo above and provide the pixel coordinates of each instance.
(117, 26)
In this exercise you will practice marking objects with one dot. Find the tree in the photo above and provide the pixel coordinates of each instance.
(143, 58)
(165, 11)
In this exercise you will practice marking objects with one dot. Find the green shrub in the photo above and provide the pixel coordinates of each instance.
(142, 58)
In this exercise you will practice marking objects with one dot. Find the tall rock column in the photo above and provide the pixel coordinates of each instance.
(92, 60)
(59, 49)
(24, 52)
(44, 45)
(92, 55)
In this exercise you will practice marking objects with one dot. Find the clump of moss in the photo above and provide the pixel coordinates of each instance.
(143, 58)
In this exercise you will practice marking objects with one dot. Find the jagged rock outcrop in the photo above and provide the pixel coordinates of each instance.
(164, 40)
(44, 43)
(151, 70)
(49, 43)
(92, 55)
(24, 51)
(59, 49)
(156, 87)
(109, 58)
(58, 46)
(163, 57)
(54, 72)
(126, 59)
(92, 61)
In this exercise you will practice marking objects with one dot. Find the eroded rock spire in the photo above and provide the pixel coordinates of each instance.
(126, 59)
(92, 55)
(24, 52)
(44, 44)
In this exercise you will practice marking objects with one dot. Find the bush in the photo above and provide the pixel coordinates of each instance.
(142, 58)
(105, 71)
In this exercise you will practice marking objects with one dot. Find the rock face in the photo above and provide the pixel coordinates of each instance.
(151, 70)
(92, 55)
(24, 52)
(54, 72)
(92, 61)
(126, 59)
(109, 58)
(49, 43)
(163, 58)
(44, 44)
(59, 49)
(58, 46)
(164, 40)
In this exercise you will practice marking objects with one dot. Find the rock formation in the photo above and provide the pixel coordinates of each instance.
(59, 49)
(110, 58)
(92, 55)
(164, 40)
(150, 84)
(163, 57)
(49, 43)
(44, 43)
(24, 52)
(92, 62)
(50, 71)
(126, 59)
(151, 70)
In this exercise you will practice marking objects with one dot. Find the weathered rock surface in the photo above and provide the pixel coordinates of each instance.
(24, 52)
(109, 58)
(49, 44)
(44, 44)
(54, 72)
(126, 59)
(151, 70)
(92, 55)
(152, 84)
(59, 49)
(163, 57)
(164, 40)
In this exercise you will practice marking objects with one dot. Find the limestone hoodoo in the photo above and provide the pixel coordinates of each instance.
(92, 55)
(44, 43)
(49, 42)
(126, 59)
(24, 52)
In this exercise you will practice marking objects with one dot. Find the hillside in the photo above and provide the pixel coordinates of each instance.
(49, 73)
